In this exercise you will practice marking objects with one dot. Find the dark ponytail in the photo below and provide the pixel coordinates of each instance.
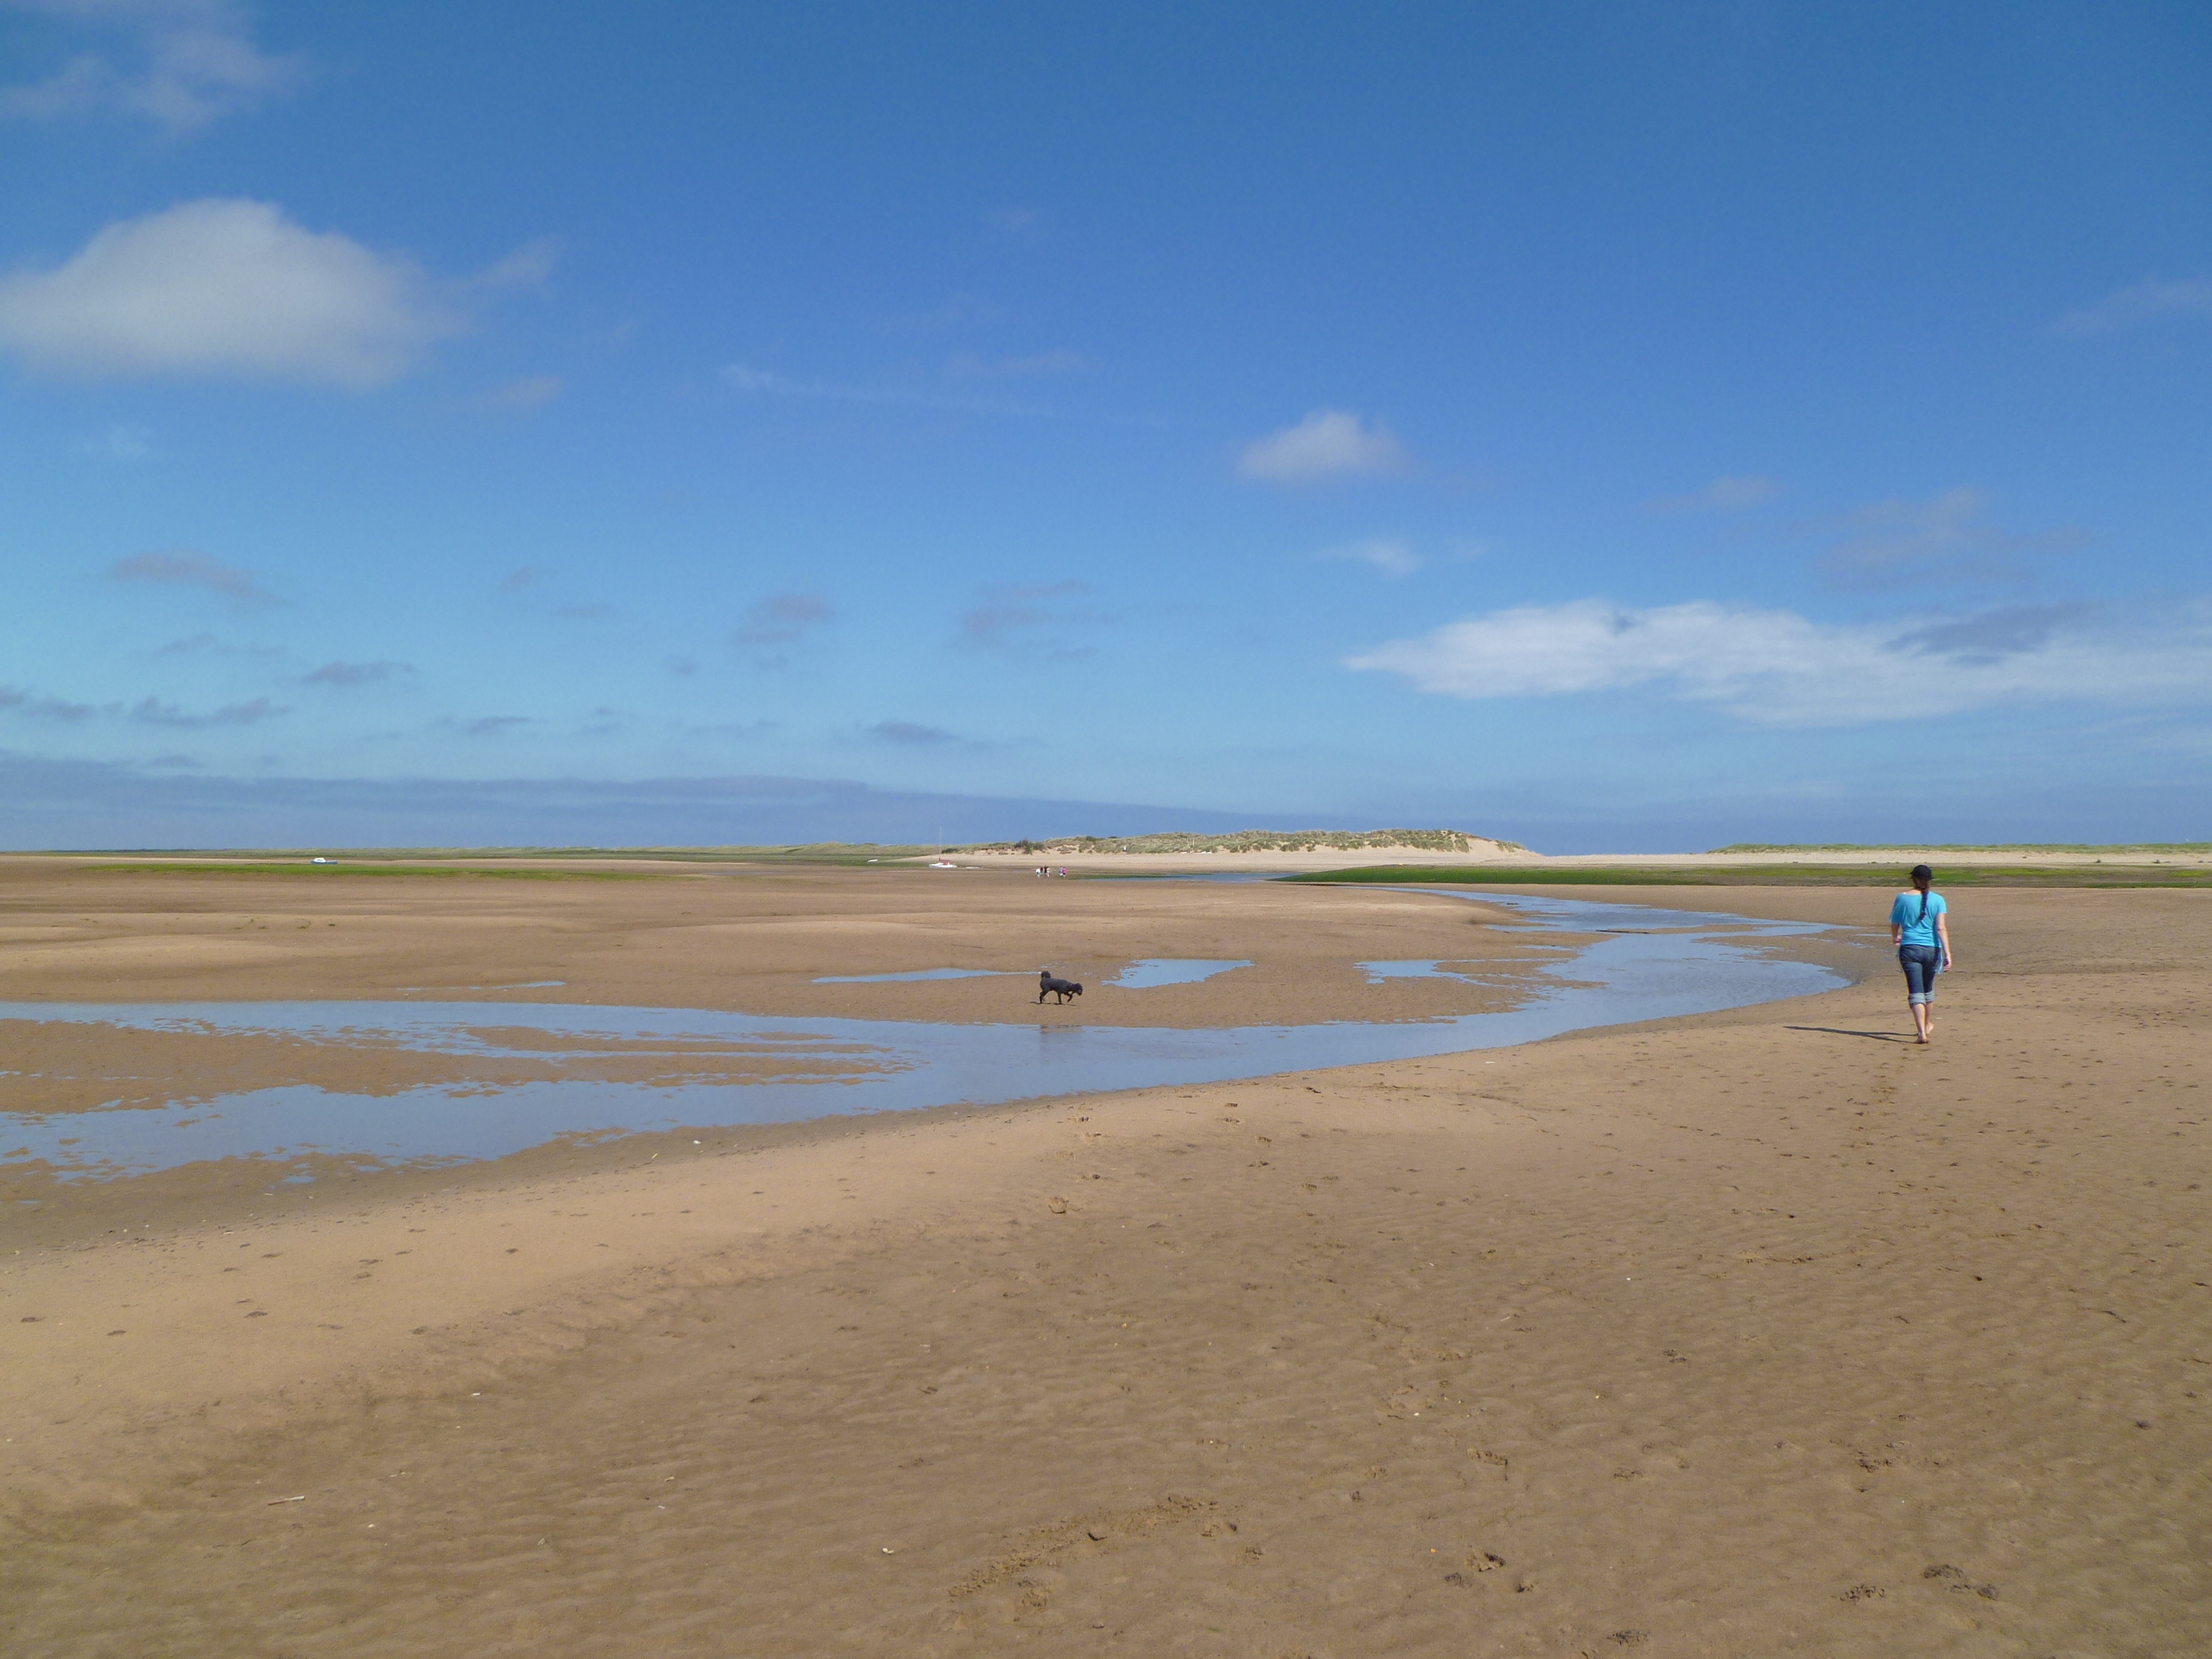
(1924, 878)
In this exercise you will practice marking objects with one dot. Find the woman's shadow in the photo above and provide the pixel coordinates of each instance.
(1871, 1036)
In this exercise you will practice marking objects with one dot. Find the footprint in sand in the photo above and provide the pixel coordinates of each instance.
(1953, 1578)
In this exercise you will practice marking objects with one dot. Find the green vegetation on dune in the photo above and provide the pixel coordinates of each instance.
(1757, 875)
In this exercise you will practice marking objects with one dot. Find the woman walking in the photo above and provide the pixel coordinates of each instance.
(1921, 933)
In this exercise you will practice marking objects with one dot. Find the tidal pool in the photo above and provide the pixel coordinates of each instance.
(1377, 972)
(1670, 963)
(1155, 971)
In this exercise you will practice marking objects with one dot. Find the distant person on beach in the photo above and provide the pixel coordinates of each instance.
(1921, 933)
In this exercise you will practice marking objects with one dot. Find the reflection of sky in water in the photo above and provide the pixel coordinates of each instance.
(1376, 972)
(522, 985)
(1675, 963)
(1169, 971)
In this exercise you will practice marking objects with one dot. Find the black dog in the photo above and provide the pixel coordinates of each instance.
(1063, 988)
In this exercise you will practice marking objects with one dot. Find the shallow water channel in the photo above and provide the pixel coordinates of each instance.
(1643, 964)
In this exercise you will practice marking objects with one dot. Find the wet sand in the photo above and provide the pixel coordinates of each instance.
(1761, 1331)
(711, 938)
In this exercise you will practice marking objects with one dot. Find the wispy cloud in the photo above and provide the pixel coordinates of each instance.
(147, 711)
(17, 700)
(526, 267)
(151, 711)
(1733, 495)
(1992, 635)
(1328, 444)
(125, 441)
(959, 311)
(966, 365)
(780, 619)
(206, 644)
(192, 570)
(350, 674)
(905, 731)
(489, 725)
(767, 383)
(228, 288)
(1942, 540)
(180, 64)
(1388, 553)
(2148, 300)
(734, 728)
(521, 578)
(1030, 616)
(1777, 667)
(526, 396)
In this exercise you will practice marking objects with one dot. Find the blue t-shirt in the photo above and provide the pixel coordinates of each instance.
(1919, 929)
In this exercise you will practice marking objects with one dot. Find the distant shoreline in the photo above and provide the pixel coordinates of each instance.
(1313, 852)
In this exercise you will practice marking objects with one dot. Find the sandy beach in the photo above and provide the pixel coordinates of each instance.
(1754, 1333)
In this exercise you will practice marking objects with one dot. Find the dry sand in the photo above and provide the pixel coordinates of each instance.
(1760, 1332)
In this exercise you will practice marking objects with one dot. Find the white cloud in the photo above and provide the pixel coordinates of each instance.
(178, 63)
(1392, 556)
(1328, 443)
(1734, 494)
(231, 289)
(2144, 301)
(1777, 667)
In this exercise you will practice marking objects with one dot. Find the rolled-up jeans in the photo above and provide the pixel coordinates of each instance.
(1921, 962)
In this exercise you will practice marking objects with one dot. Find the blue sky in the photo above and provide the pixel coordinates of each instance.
(1612, 427)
